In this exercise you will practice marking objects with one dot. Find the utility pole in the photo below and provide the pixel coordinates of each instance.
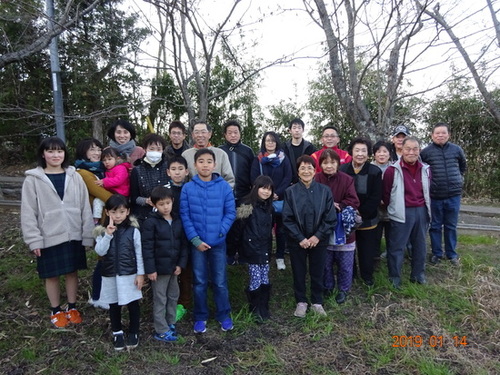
(56, 75)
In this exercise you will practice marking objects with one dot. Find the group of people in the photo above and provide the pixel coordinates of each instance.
(178, 215)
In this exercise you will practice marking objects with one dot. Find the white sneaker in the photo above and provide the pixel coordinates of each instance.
(318, 309)
(280, 263)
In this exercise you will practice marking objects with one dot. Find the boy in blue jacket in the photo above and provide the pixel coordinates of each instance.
(207, 212)
(165, 254)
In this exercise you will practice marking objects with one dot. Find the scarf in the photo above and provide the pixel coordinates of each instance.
(96, 167)
(126, 148)
(274, 159)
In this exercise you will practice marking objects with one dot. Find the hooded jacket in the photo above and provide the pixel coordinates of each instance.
(207, 209)
(448, 167)
(121, 252)
(164, 245)
(46, 220)
(254, 232)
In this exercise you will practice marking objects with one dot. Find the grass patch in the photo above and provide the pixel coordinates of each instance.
(355, 338)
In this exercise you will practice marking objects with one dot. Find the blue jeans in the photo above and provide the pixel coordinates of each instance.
(210, 265)
(444, 218)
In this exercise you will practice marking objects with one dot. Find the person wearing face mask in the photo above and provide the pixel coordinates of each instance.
(122, 137)
(149, 172)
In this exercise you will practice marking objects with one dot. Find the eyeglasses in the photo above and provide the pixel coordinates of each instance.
(270, 141)
(330, 136)
(196, 132)
(176, 133)
(306, 168)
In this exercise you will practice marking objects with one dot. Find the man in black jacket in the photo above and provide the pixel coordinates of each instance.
(240, 157)
(448, 165)
(297, 146)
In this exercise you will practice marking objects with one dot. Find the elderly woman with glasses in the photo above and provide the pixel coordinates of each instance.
(309, 218)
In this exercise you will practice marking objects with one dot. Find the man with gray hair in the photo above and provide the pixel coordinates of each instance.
(406, 195)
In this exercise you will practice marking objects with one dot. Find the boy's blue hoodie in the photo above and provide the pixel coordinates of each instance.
(207, 209)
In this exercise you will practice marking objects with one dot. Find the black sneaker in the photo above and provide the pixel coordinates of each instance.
(119, 341)
(435, 260)
(132, 340)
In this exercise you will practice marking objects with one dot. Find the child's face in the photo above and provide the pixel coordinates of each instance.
(205, 165)
(264, 192)
(108, 161)
(164, 206)
(53, 158)
(382, 155)
(177, 172)
(118, 214)
(154, 147)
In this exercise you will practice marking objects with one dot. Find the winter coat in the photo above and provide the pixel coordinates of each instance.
(240, 157)
(207, 209)
(368, 184)
(448, 167)
(281, 175)
(343, 191)
(222, 164)
(309, 211)
(164, 245)
(117, 179)
(254, 235)
(169, 151)
(46, 220)
(121, 252)
(400, 185)
(143, 179)
(307, 148)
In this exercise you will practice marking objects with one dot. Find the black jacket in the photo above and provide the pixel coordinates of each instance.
(122, 262)
(307, 149)
(368, 184)
(448, 167)
(309, 211)
(240, 157)
(254, 232)
(164, 246)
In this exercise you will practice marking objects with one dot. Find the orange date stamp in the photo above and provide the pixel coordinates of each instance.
(417, 341)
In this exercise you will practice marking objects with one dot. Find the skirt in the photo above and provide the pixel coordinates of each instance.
(61, 259)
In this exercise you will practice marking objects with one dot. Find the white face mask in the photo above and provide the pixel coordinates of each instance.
(153, 156)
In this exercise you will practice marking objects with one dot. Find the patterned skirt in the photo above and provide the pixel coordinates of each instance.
(61, 259)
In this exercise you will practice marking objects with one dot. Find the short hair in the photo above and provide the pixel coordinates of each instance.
(84, 145)
(51, 143)
(113, 152)
(177, 124)
(296, 120)
(329, 154)
(177, 159)
(209, 128)
(362, 141)
(161, 192)
(306, 159)
(153, 138)
(276, 138)
(124, 124)
(114, 202)
(377, 146)
(203, 151)
(411, 138)
(441, 124)
(231, 123)
(329, 126)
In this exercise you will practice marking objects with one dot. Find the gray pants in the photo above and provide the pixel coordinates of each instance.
(414, 231)
(165, 296)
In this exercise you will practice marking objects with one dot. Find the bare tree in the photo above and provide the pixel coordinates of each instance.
(471, 65)
(362, 37)
(65, 21)
(494, 18)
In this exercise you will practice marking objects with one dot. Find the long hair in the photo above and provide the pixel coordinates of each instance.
(276, 138)
(114, 202)
(253, 197)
